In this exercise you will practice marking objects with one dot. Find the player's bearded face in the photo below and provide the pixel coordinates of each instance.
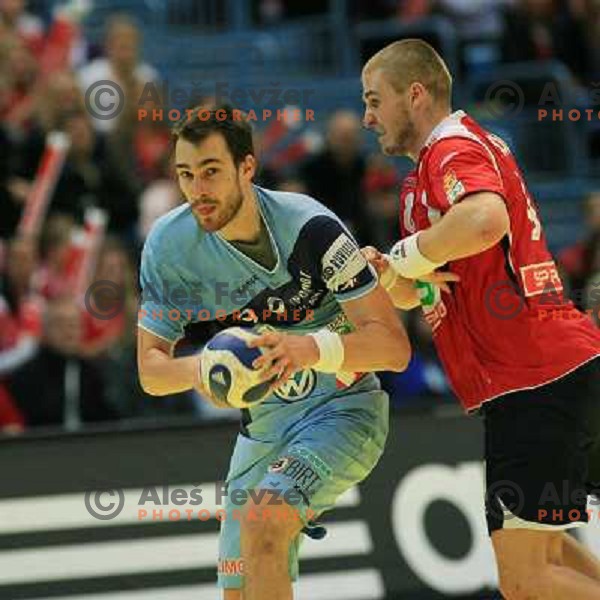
(399, 134)
(388, 114)
(226, 207)
(213, 187)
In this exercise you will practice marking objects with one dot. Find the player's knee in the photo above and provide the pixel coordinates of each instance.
(263, 538)
(528, 583)
(513, 584)
(268, 528)
(524, 570)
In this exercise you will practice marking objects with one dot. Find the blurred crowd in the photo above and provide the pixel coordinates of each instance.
(568, 30)
(64, 364)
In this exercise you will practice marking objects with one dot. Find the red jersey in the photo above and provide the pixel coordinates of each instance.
(506, 326)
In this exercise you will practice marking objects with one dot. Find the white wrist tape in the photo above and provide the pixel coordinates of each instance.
(331, 351)
(389, 277)
(407, 260)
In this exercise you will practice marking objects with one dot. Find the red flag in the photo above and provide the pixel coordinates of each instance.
(51, 164)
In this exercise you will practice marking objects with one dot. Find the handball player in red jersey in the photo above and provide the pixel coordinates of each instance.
(514, 349)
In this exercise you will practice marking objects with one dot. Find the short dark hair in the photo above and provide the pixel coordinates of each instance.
(412, 60)
(202, 122)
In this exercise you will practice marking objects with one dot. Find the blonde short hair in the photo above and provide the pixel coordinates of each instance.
(412, 60)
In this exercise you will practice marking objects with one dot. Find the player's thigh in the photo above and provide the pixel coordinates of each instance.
(247, 467)
(323, 456)
(336, 448)
(328, 453)
(232, 594)
(523, 557)
(537, 450)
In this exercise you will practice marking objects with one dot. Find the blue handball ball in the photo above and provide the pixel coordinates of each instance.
(227, 369)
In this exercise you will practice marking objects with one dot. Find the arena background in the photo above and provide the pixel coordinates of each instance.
(76, 427)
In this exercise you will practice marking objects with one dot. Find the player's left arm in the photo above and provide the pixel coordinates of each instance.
(478, 222)
(378, 342)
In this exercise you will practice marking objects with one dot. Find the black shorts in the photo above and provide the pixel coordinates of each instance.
(537, 449)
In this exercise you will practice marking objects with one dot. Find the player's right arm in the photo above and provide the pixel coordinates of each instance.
(402, 291)
(161, 374)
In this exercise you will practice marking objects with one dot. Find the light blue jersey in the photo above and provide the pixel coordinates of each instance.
(318, 434)
(191, 278)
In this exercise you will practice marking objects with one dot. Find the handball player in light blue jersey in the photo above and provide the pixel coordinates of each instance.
(236, 254)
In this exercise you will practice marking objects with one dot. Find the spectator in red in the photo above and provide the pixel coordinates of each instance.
(22, 70)
(140, 145)
(107, 328)
(19, 334)
(21, 307)
(89, 176)
(57, 387)
(21, 265)
(28, 27)
(30, 57)
(51, 278)
(54, 101)
(20, 323)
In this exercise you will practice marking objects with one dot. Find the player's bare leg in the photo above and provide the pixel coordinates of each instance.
(266, 534)
(232, 594)
(543, 565)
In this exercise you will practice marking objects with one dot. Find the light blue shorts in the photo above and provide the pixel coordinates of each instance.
(320, 456)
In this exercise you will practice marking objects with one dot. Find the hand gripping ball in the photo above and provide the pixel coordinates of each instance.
(227, 373)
